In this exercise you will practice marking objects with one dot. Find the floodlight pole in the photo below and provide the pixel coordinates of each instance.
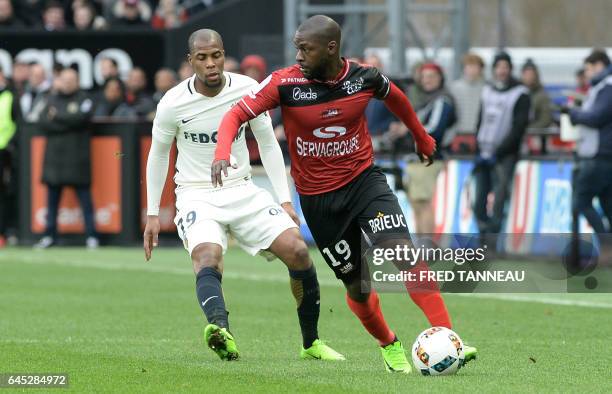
(290, 23)
(396, 15)
(501, 25)
(460, 21)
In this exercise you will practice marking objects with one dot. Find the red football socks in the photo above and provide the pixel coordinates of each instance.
(426, 295)
(371, 317)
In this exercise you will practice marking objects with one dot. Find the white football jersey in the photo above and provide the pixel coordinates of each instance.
(193, 119)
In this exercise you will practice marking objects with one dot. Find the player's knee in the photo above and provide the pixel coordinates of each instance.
(301, 253)
(356, 291)
(299, 256)
(206, 256)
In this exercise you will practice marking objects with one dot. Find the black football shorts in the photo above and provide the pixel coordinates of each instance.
(363, 210)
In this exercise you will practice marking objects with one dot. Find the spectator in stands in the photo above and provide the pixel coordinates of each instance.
(255, 67)
(29, 11)
(9, 116)
(231, 65)
(165, 79)
(185, 70)
(540, 115)
(36, 93)
(67, 154)
(594, 148)
(137, 96)
(109, 68)
(131, 13)
(377, 114)
(7, 15)
(466, 91)
(415, 89)
(85, 18)
(437, 114)
(112, 103)
(582, 83)
(55, 80)
(504, 115)
(168, 14)
(53, 17)
(19, 79)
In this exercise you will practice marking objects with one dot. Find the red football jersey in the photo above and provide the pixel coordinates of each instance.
(325, 122)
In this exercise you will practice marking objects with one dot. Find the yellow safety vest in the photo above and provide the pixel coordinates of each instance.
(7, 123)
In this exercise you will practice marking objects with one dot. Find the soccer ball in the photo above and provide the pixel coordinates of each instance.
(438, 351)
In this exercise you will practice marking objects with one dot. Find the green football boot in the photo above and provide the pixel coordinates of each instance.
(470, 353)
(320, 351)
(395, 358)
(221, 341)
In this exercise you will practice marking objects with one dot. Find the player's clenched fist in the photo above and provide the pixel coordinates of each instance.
(151, 234)
(426, 148)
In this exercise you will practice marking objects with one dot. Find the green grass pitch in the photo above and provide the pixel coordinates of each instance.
(117, 324)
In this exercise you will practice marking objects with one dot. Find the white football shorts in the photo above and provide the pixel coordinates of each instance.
(246, 211)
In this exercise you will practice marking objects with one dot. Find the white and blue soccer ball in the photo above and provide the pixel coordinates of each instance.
(438, 351)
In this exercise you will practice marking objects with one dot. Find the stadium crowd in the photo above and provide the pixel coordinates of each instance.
(450, 110)
(58, 15)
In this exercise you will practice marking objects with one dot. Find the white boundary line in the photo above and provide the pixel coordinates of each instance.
(154, 267)
(537, 298)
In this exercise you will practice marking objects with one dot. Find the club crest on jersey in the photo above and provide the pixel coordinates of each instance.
(330, 113)
(299, 94)
(353, 86)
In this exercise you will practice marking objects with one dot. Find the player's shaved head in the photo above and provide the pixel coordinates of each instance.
(317, 41)
(322, 28)
(207, 57)
(206, 36)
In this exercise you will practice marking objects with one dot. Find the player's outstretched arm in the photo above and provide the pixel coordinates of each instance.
(398, 103)
(228, 129)
(262, 98)
(157, 170)
(272, 160)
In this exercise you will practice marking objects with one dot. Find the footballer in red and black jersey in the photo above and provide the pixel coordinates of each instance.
(331, 149)
(323, 100)
(324, 122)
(346, 200)
(343, 195)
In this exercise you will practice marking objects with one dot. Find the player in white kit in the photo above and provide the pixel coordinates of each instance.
(191, 113)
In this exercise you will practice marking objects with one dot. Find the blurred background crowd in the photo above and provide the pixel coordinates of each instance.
(59, 15)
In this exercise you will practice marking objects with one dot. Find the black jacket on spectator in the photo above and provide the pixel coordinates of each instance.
(67, 156)
(141, 103)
